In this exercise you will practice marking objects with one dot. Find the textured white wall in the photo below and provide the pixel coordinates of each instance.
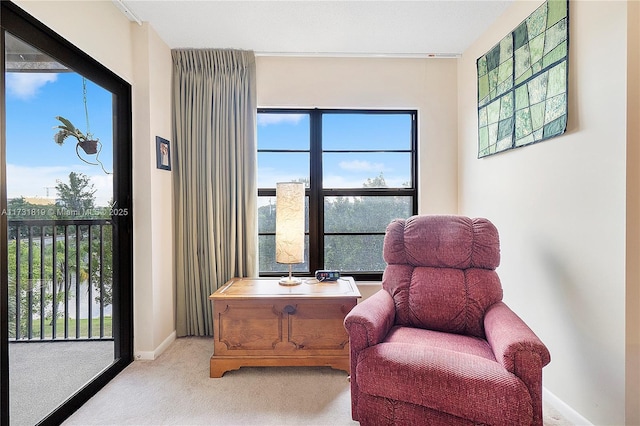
(560, 208)
(633, 215)
(160, 69)
(154, 322)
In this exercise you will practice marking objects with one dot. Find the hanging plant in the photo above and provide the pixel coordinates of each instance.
(88, 144)
(67, 129)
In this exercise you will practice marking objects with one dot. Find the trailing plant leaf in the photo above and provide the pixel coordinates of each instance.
(66, 124)
(61, 136)
(67, 129)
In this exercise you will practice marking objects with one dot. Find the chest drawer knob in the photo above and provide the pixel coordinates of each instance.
(289, 309)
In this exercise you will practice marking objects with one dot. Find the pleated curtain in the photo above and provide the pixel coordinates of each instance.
(215, 164)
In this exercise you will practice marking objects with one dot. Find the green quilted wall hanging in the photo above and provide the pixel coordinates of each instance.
(522, 82)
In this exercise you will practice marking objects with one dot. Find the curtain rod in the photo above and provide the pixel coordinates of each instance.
(362, 55)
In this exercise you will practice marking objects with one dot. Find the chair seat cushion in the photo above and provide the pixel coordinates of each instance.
(454, 342)
(463, 385)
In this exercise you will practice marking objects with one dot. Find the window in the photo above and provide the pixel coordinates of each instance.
(359, 168)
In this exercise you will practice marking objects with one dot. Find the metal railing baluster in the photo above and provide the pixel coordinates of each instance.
(89, 285)
(78, 281)
(54, 285)
(18, 289)
(43, 293)
(30, 284)
(66, 282)
(102, 280)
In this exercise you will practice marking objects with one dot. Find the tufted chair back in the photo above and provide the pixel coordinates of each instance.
(441, 272)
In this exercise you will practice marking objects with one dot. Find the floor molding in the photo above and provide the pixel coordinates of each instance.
(569, 413)
(151, 355)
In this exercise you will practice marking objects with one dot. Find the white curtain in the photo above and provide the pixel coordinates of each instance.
(215, 162)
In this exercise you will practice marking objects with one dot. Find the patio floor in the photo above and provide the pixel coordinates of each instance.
(42, 375)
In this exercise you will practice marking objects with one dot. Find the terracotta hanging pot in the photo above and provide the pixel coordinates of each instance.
(89, 146)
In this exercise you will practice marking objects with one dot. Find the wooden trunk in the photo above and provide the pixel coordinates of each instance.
(257, 322)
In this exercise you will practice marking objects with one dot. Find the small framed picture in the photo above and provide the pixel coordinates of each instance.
(163, 154)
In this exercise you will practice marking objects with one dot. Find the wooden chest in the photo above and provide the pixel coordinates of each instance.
(258, 322)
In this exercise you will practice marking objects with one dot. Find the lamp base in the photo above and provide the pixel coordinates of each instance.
(290, 281)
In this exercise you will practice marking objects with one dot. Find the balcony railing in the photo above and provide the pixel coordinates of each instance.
(60, 279)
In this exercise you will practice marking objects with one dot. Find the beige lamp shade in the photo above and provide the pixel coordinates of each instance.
(290, 222)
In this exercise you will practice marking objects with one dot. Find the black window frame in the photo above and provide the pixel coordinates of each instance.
(316, 193)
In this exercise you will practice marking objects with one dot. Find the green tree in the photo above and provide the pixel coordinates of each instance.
(76, 196)
(376, 182)
(102, 273)
(23, 294)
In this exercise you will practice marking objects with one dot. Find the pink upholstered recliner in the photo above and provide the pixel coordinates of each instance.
(437, 346)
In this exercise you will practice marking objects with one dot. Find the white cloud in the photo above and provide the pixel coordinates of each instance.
(103, 183)
(334, 181)
(26, 85)
(23, 181)
(267, 119)
(361, 166)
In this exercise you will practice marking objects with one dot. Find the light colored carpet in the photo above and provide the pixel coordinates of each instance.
(175, 389)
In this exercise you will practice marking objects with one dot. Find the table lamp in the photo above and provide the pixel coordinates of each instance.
(290, 227)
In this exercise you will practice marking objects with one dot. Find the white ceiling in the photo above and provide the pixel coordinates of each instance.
(310, 27)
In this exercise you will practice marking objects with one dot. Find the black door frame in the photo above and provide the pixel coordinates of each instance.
(22, 25)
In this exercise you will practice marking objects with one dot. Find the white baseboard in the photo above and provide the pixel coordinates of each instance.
(569, 413)
(151, 355)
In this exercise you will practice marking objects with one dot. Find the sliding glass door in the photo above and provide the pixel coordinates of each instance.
(66, 218)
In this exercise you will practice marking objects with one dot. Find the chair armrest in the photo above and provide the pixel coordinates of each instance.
(509, 337)
(367, 324)
(370, 320)
(519, 351)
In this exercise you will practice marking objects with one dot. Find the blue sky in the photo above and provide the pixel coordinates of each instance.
(351, 132)
(34, 161)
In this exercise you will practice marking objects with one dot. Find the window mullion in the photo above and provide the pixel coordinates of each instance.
(414, 162)
(316, 205)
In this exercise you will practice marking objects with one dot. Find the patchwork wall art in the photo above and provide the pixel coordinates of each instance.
(522, 82)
